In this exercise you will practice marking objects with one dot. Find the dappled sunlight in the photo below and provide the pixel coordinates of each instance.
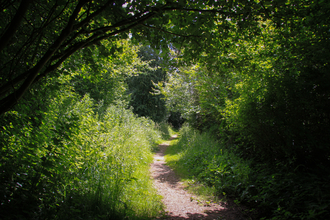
(231, 95)
(179, 203)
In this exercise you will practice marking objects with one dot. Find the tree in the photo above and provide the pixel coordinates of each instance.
(108, 85)
(181, 95)
(40, 140)
(268, 97)
(38, 36)
(141, 86)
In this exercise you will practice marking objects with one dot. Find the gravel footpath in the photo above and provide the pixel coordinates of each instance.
(178, 202)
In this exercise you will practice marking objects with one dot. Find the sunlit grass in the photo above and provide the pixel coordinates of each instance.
(174, 155)
(120, 168)
(207, 169)
(91, 168)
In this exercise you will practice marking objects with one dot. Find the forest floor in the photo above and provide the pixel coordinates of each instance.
(179, 204)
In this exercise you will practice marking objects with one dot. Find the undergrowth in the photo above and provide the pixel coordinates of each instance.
(166, 131)
(73, 164)
(198, 158)
(269, 193)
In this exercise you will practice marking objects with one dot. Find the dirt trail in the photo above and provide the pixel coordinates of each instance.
(179, 203)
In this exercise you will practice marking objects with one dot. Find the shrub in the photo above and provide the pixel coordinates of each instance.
(277, 192)
(77, 165)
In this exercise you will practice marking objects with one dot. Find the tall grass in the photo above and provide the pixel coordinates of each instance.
(199, 157)
(73, 164)
(278, 193)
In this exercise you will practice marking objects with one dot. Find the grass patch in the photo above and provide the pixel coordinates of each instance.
(208, 170)
(204, 192)
(173, 154)
(165, 131)
(174, 158)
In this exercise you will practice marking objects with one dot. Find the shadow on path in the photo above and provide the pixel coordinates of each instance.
(177, 200)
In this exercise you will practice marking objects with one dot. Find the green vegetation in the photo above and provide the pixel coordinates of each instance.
(141, 87)
(65, 155)
(209, 167)
(252, 74)
(200, 158)
(77, 165)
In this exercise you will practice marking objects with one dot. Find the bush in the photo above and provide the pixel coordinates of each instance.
(204, 158)
(76, 165)
(277, 193)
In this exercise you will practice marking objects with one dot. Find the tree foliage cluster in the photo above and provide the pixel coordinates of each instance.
(37, 37)
(65, 155)
(259, 80)
(141, 87)
(265, 93)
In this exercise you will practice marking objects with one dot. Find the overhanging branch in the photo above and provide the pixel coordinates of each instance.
(64, 45)
(14, 25)
(9, 101)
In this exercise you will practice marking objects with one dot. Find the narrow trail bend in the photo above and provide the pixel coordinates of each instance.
(178, 202)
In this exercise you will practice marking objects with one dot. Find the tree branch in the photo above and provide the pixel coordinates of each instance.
(81, 24)
(89, 42)
(93, 15)
(12, 99)
(133, 19)
(14, 24)
(68, 52)
(64, 40)
(141, 20)
(102, 31)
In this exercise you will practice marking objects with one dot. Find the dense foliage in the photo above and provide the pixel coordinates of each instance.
(37, 36)
(253, 73)
(266, 193)
(266, 96)
(73, 163)
(141, 87)
(65, 155)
